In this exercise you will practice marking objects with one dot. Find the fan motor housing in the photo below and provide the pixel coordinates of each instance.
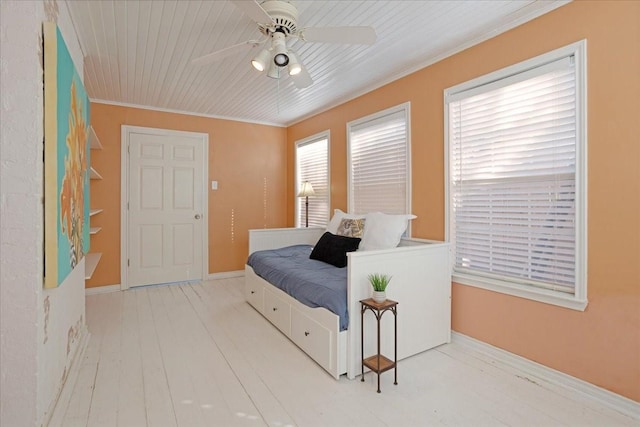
(284, 15)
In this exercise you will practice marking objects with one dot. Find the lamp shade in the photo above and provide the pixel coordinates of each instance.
(294, 65)
(306, 190)
(260, 61)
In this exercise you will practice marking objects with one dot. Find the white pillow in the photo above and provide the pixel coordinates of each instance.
(338, 216)
(383, 231)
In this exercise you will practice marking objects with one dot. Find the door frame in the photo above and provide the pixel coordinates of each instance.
(124, 194)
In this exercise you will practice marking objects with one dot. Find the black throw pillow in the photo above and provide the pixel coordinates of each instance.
(333, 249)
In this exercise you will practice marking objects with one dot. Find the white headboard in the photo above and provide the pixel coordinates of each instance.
(274, 238)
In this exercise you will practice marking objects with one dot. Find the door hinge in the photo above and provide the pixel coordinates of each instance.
(128, 262)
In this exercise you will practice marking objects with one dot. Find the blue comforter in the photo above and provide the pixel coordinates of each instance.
(313, 283)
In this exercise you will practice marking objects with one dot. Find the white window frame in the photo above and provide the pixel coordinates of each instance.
(406, 108)
(310, 140)
(578, 301)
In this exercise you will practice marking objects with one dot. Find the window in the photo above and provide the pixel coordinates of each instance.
(378, 162)
(517, 179)
(312, 164)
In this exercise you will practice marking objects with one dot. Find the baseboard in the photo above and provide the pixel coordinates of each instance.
(226, 275)
(607, 398)
(116, 288)
(59, 405)
(102, 289)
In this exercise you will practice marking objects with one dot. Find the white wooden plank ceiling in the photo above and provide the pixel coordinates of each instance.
(140, 52)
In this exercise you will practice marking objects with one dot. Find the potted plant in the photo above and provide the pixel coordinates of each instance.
(379, 283)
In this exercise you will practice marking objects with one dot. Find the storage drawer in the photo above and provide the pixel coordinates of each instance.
(253, 293)
(277, 311)
(312, 337)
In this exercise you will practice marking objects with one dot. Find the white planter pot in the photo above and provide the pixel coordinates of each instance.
(379, 296)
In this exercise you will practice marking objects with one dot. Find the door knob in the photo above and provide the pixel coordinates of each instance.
(197, 216)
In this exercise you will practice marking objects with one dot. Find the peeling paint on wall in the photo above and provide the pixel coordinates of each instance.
(63, 380)
(41, 56)
(46, 307)
(73, 335)
(51, 10)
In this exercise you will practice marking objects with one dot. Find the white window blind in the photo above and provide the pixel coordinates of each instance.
(379, 163)
(512, 152)
(312, 164)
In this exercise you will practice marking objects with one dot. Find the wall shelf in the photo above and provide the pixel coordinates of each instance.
(92, 259)
(90, 264)
(93, 174)
(93, 139)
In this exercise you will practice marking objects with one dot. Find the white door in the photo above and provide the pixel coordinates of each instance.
(166, 220)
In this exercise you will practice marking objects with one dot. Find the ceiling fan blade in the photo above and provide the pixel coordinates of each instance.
(223, 53)
(253, 10)
(348, 35)
(302, 79)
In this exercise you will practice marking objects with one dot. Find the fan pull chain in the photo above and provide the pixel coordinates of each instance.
(278, 93)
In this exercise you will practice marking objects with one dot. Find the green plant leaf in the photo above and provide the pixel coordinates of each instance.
(379, 281)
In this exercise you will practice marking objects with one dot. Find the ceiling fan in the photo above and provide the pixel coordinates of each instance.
(278, 22)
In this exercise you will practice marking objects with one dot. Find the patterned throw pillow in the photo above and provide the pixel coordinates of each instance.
(351, 227)
(338, 216)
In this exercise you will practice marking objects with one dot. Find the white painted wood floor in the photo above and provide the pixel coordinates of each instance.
(198, 355)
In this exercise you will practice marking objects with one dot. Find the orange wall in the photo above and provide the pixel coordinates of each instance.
(602, 344)
(247, 160)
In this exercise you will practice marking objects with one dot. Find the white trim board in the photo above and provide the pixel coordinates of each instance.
(116, 288)
(607, 398)
(101, 290)
(225, 275)
(186, 113)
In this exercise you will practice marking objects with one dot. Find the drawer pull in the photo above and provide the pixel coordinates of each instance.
(275, 308)
(306, 334)
(253, 292)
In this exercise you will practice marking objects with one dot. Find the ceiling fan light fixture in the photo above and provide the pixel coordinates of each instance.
(279, 47)
(294, 65)
(260, 62)
(277, 21)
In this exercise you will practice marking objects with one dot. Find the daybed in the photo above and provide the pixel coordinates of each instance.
(421, 284)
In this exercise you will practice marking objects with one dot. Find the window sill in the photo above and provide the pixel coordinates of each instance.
(521, 291)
